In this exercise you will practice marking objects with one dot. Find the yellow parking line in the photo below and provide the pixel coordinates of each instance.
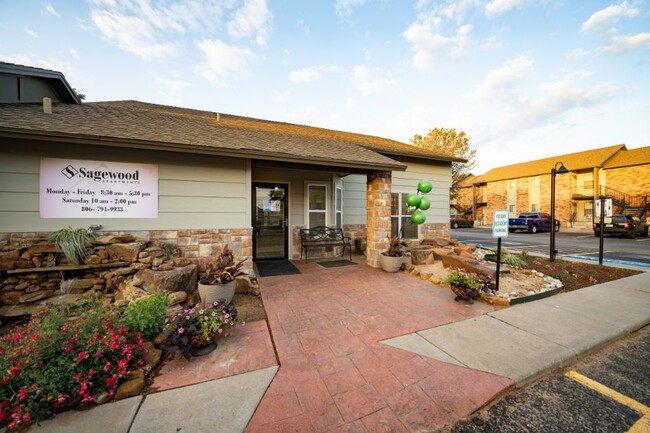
(642, 425)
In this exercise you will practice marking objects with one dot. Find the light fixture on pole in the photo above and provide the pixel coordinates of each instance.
(558, 169)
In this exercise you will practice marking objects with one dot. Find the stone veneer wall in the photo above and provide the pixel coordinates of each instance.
(378, 217)
(164, 250)
(434, 230)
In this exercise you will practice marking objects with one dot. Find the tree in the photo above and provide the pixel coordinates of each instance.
(452, 143)
(81, 96)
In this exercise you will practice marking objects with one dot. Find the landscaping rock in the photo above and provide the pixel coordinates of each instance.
(126, 252)
(132, 387)
(115, 239)
(174, 280)
(438, 253)
(436, 242)
(12, 260)
(468, 265)
(177, 298)
(421, 255)
(43, 247)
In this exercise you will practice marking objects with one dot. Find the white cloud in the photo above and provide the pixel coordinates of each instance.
(602, 24)
(132, 34)
(559, 98)
(578, 53)
(173, 85)
(428, 44)
(51, 64)
(31, 32)
(369, 82)
(344, 8)
(604, 19)
(303, 26)
(50, 9)
(497, 7)
(502, 81)
(151, 29)
(222, 60)
(254, 18)
(74, 53)
(312, 73)
(628, 43)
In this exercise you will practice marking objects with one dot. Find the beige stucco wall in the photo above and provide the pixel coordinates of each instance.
(195, 191)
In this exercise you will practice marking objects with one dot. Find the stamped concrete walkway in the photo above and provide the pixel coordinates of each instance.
(337, 376)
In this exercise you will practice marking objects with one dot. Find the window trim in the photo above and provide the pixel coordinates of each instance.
(326, 211)
(338, 189)
(400, 199)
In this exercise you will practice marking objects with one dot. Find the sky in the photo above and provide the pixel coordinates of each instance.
(525, 79)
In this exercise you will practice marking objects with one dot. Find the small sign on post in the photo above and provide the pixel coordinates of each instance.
(499, 230)
(500, 224)
(606, 204)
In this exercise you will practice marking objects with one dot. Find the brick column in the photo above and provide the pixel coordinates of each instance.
(378, 211)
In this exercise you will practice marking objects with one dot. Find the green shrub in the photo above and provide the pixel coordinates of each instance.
(523, 255)
(147, 314)
(560, 277)
(53, 361)
(513, 260)
(72, 242)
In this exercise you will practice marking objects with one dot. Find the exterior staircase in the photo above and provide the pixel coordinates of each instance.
(635, 205)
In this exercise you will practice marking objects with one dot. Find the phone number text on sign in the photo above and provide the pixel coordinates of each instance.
(91, 189)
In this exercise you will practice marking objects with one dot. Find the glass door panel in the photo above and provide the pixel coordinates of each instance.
(270, 218)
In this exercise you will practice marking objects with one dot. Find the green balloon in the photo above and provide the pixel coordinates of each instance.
(413, 200)
(418, 217)
(425, 186)
(424, 203)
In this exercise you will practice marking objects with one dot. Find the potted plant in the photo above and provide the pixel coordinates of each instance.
(218, 280)
(194, 330)
(391, 259)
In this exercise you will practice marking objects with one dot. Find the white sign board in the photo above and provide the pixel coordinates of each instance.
(500, 224)
(71, 188)
(608, 207)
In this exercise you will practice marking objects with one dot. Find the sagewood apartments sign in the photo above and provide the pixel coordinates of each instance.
(72, 188)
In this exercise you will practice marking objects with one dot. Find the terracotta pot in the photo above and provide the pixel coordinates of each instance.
(210, 293)
(390, 264)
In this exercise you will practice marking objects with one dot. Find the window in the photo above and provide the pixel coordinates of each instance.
(512, 184)
(512, 208)
(400, 220)
(589, 210)
(338, 206)
(534, 208)
(317, 205)
(534, 181)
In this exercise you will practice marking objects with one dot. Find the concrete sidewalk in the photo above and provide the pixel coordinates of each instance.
(341, 369)
(526, 341)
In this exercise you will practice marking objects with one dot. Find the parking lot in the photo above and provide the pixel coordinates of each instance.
(575, 243)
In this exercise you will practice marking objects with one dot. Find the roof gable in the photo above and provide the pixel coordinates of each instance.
(626, 158)
(34, 76)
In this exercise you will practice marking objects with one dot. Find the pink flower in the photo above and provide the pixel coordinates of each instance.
(82, 355)
(22, 394)
(181, 330)
(68, 349)
(27, 417)
(13, 371)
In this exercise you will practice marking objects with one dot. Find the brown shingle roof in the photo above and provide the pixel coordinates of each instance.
(572, 161)
(629, 157)
(173, 128)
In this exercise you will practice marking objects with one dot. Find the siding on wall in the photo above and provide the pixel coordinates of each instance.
(439, 175)
(195, 191)
(354, 199)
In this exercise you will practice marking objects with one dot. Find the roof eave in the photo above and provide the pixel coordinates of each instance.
(178, 147)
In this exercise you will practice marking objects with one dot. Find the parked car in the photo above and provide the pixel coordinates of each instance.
(532, 222)
(623, 225)
(456, 221)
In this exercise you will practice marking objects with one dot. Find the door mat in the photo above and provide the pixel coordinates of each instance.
(336, 263)
(273, 268)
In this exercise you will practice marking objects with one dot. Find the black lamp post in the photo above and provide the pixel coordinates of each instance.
(555, 170)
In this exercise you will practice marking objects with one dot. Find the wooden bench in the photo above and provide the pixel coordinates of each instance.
(323, 236)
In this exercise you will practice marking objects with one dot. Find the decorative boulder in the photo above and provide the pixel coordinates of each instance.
(175, 280)
(125, 252)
